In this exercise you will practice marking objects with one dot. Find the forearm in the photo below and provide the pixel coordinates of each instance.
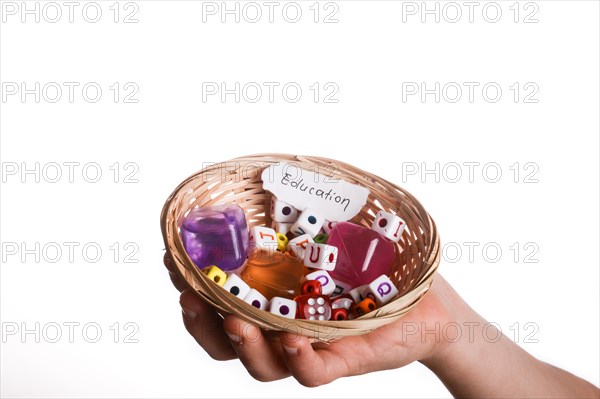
(480, 367)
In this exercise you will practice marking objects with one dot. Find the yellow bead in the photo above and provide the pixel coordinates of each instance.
(215, 274)
(282, 241)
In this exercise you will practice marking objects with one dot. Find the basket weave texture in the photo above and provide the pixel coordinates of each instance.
(238, 181)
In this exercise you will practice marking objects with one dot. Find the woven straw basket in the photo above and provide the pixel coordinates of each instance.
(239, 182)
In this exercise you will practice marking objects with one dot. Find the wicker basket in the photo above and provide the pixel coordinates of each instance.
(239, 181)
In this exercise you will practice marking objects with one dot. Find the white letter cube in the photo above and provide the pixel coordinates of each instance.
(345, 303)
(382, 290)
(283, 307)
(328, 226)
(327, 284)
(309, 223)
(389, 225)
(358, 293)
(281, 227)
(341, 288)
(236, 286)
(256, 299)
(263, 238)
(282, 211)
(298, 245)
(320, 256)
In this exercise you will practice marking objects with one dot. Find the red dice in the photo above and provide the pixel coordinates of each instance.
(339, 314)
(311, 287)
(313, 307)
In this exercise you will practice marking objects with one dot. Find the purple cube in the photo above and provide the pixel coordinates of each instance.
(216, 235)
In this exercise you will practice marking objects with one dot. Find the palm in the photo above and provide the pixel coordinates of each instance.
(413, 337)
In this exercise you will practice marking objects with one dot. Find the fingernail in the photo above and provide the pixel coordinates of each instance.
(189, 314)
(235, 338)
(289, 350)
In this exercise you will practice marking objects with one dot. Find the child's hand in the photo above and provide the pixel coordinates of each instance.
(267, 358)
(470, 366)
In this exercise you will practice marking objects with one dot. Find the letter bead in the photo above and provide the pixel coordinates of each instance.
(328, 226)
(281, 227)
(320, 256)
(309, 222)
(359, 293)
(263, 238)
(298, 245)
(256, 299)
(327, 283)
(382, 289)
(215, 274)
(282, 211)
(236, 286)
(341, 288)
(283, 307)
(389, 225)
(342, 302)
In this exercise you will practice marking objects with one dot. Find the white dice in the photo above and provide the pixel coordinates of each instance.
(236, 286)
(263, 238)
(320, 256)
(308, 222)
(389, 225)
(327, 284)
(328, 226)
(359, 293)
(256, 299)
(298, 245)
(282, 211)
(283, 307)
(281, 227)
(382, 290)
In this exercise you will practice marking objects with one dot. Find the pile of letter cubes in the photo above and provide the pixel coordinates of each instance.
(304, 235)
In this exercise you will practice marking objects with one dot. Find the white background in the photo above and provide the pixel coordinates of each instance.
(373, 53)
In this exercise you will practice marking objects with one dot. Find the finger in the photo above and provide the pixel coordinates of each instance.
(257, 354)
(177, 281)
(312, 367)
(169, 264)
(206, 326)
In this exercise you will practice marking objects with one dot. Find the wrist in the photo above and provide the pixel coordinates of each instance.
(457, 335)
